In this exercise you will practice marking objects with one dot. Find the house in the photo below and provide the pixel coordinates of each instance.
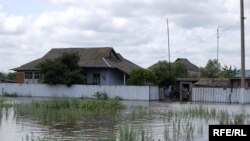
(101, 66)
(192, 69)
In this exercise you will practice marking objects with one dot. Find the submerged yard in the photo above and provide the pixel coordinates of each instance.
(31, 119)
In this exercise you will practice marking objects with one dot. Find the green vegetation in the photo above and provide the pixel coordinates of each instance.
(63, 70)
(5, 103)
(228, 72)
(101, 95)
(213, 69)
(11, 76)
(100, 105)
(64, 109)
(166, 75)
(161, 69)
(128, 133)
(10, 95)
(179, 70)
(141, 77)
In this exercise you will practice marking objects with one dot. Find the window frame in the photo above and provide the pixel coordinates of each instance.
(37, 75)
(28, 75)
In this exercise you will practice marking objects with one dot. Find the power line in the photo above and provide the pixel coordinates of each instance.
(207, 38)
(194, 45)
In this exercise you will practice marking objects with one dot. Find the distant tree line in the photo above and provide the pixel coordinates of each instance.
(160, 73)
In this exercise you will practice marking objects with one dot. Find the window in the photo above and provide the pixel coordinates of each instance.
(97, 79)
(28, 75)
(37, 75)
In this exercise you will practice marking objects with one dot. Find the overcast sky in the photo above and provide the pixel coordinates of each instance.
(134, 28)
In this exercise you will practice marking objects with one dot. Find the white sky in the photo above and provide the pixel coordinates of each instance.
(135, 28)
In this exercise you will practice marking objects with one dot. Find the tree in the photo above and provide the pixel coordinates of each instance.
(180, 70)
(63, 70)
(228, 72)
(166, 77)
(161, 70)
(212, 69)
(11, 76)
(141, 77)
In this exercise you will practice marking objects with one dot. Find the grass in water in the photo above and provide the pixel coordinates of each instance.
(179, 124)
(64, 109)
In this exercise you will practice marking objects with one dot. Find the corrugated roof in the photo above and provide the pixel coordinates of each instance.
(101, 57)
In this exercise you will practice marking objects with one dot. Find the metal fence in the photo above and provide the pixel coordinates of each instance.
(220, 95)
(81, 91)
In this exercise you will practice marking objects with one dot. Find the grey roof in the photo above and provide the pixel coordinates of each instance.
(101, 57)
(187, 79)
(190, 66)
(213, 82)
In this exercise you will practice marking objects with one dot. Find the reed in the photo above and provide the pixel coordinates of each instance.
(64, 109)
(128, 133)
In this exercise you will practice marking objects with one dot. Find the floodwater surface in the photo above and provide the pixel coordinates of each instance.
(154, 120)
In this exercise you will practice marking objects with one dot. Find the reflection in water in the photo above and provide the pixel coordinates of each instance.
(155, 118)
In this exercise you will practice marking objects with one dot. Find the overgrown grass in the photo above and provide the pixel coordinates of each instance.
(4, 103)
(128, 133)
(10, 95)
(85, 105)
(64, 109)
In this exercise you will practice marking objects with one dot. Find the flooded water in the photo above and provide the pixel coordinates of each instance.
(148, 116)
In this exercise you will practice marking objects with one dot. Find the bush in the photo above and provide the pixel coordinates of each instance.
(10, 95)
(118, 98)
(101, 96)
(100, 105)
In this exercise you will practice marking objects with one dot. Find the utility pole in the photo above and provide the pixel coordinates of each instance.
(242, 18)
(242, 82)
(168, 50)
(218, 37)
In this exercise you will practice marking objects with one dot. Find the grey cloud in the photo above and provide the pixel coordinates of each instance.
(141, 36)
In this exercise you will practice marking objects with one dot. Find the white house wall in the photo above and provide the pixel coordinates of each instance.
(115, 77)
(81, 91)
(107, 76)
